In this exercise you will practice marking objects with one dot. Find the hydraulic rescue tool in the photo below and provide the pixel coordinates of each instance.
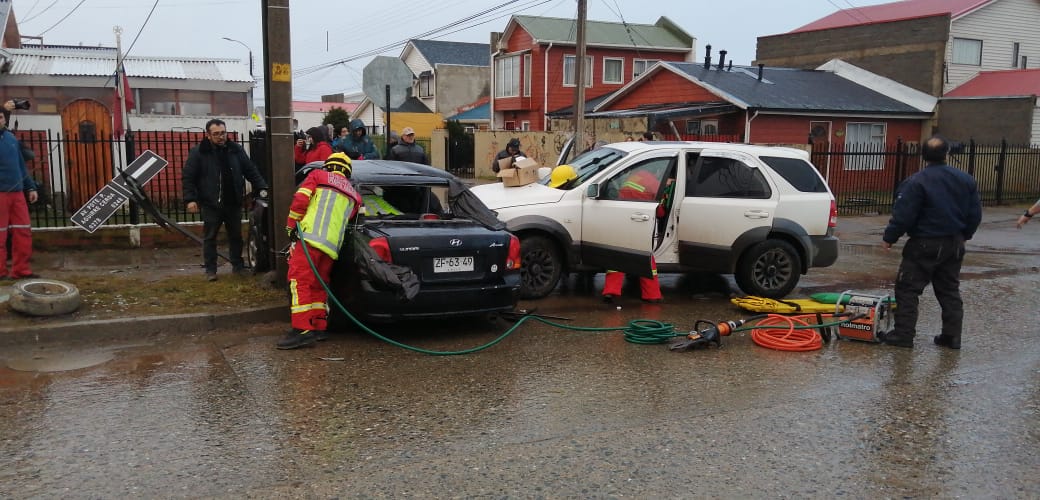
(712, 333)
(872, 315)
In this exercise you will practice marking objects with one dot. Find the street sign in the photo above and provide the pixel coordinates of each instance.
(383, 71)
(106, 202)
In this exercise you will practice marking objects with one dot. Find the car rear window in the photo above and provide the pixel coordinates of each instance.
(800, 173)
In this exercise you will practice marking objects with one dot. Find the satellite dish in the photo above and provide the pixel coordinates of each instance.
(383, 71)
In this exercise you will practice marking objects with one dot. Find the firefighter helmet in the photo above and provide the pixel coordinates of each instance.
(562, 175)
(338, 162)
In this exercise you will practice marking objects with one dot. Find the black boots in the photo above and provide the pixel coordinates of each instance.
(297, 338)
(944, 341)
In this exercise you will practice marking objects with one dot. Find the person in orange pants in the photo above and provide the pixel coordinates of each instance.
(322, 208)
(649, 288)
(641, 186)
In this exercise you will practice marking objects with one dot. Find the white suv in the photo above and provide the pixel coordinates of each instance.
(761, 213)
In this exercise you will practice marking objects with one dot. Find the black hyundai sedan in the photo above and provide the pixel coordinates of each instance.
(458, 252)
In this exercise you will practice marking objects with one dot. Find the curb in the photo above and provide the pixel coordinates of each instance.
(136, 328)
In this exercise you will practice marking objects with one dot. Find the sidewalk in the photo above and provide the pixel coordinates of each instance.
(141, 291)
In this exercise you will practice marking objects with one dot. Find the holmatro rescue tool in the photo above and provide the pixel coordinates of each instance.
(873, 316)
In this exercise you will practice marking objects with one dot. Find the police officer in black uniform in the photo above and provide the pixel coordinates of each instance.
(939, 208)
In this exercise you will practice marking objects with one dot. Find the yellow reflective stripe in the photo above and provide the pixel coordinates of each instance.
(635, 186)
(292, 292)
(309, 307)
(379, 204)
(295, 215)
(305, 191)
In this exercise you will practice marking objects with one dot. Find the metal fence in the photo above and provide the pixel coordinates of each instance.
(865, 177)
(70, 169)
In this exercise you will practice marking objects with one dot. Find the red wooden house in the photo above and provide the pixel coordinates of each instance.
(533, 65)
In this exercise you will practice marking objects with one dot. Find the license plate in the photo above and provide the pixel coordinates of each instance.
(452, 264)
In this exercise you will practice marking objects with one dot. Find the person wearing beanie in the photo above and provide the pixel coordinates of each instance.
(315, 147)
(322, 208)
(512, 151)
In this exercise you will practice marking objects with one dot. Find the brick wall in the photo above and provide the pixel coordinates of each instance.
(912, 53)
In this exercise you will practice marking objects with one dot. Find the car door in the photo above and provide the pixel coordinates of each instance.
(728, 205)
(619, 220)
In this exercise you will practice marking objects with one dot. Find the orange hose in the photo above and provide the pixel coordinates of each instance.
(770, 333)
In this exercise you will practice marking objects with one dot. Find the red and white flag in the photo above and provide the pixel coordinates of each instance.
(128, 100)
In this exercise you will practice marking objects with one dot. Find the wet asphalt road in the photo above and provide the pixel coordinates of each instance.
(547, 412)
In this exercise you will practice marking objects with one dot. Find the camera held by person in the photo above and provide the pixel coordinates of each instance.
(22, 104)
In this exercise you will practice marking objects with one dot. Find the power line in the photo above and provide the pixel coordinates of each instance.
(138, 35)
(37, 2)
(384, 48)
(42, 12)
(63, 18)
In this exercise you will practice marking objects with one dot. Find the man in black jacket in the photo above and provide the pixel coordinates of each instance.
(214, 180)
(407, 149)
(939, 208)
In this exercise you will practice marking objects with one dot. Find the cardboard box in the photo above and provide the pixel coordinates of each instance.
(522, 172)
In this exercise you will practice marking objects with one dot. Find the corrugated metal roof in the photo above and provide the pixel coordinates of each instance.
(895, 11)
(1020, 82)
(37, 61)
(663, 35)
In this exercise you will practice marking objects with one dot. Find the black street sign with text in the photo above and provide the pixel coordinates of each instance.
(110, 198)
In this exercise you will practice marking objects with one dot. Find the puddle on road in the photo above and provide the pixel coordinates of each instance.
(58, 361)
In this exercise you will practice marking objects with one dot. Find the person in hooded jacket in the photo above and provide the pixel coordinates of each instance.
(512, 150)
(358, 146)
(315, 147)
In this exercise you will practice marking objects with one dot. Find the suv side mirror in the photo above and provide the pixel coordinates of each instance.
(592, 191)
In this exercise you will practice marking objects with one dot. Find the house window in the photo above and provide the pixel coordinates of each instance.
(426, 84)
(709, 127)
(863, 142)
(510, 125)
(527, 75)
(195, 103)
(639, 66)
(613, 69)
(525, 125)
(693, 127)
(967, 51)
(158, 102)
(568, 71)
(507, 77)
(1014, 54)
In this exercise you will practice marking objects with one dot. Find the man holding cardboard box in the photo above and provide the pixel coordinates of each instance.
(511, 152)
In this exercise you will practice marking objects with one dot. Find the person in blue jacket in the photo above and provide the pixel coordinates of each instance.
(939, 208)
(15, 186)
(357, 145)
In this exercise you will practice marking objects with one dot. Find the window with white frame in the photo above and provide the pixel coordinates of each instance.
(639, 66)
(967, 51)
(426, 84)
(613, 70)
(507, 76)
(568, 71)
(527, 75)
(525, 125)
(709, 127)
(863, 142)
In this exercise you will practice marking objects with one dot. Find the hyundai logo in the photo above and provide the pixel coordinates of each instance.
(455, 242)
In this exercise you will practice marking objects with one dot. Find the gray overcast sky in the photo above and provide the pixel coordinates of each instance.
(329, 30)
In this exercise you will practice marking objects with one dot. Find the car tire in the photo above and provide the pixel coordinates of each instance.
(258, 255)
(769, 269)
(541, 266)
(43, 297)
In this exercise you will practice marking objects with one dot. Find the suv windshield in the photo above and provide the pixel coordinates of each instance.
(588, 164)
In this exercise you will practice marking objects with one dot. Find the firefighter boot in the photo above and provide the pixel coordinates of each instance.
(297, 338)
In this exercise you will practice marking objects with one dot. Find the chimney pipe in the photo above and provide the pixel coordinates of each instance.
(707, 57)
(760, 68)
(729, 67)
(722, 59)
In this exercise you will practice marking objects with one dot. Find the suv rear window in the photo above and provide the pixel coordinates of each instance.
(800, 173)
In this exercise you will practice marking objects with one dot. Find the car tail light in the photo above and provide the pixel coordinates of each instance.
(834, 214)
(513, 261)
(382, 247)
(430, 217)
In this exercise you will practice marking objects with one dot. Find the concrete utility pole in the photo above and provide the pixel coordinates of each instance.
(278, 100)
(579, 80)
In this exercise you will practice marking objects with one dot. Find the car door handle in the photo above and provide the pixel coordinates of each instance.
(756, 214)
(638, 217)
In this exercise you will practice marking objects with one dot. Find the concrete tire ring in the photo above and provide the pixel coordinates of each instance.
(43, 297)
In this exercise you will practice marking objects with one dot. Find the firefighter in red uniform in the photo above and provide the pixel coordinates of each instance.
(641, 185)
(322, 208)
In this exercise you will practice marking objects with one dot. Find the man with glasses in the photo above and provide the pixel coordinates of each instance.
(214, 181)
